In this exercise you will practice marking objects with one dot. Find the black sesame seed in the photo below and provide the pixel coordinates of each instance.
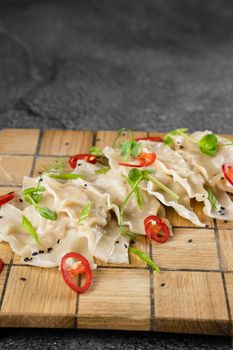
(222, 208)
(162, 284)
(23, 279)
(85, 185)
(222, 178)
(49, 249)
(117, 242)
(79, 164)
(225, 221)
(98, 140)
(26, 259)
(40, 180)
(41, 252)
(40, 172)
(125, 245)
(1, 217)
(29, 259)
(21, 200)
(58, 241)
(34, 253)
(206, 225)
(190, 240)
(67, 143)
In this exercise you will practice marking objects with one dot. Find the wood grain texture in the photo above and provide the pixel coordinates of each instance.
(37, 297)
(187, 296)
(65, 142)
(14, 168)
(188, 249)
(191, 302)
(226, 246)
(18, 141)
(117, 300)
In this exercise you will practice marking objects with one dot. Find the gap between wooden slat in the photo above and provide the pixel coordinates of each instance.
(216, 235)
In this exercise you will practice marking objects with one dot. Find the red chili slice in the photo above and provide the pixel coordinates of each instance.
(6, 198)
(83, 268)
(156, 229)
(90, 158)
(152, 138)
(227, 170)
(1, 265)
(145, 159)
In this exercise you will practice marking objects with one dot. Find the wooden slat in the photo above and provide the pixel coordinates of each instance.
(14, 168)
(5, 252)
(3, 275)
(116, 301)
(226, 246)
(42, 300)
(18, 141)
(229, 287)
(188, 249)
(190, 302)
(65, 142)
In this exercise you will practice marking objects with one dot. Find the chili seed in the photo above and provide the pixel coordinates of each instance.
(23, 279)
(34, 253)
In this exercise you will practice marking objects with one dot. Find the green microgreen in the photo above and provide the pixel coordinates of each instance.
(66, 176)
(84, 213)
(58, 166)
(134, 178)
(102, 170)
(213, 200)
(144, 257)
(97, 151)
(30, 229)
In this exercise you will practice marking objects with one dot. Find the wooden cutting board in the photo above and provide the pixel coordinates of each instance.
(192, 294)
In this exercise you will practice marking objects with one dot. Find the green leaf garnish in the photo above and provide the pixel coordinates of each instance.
(168, 140)
(134, 178)
(144, 257)
(122, 132)
(208, 144)
(30, 229)
(57, 167)
(102, 171)
(33, 198)
(130, 148)
(84, 213)
(32, 190)
(46, 213)
(67, 176)
(213, 200)
(97, 151)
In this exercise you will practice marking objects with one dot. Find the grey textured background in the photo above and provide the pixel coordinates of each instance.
(150, 64)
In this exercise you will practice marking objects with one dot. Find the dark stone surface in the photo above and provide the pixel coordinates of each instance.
(150, 64)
